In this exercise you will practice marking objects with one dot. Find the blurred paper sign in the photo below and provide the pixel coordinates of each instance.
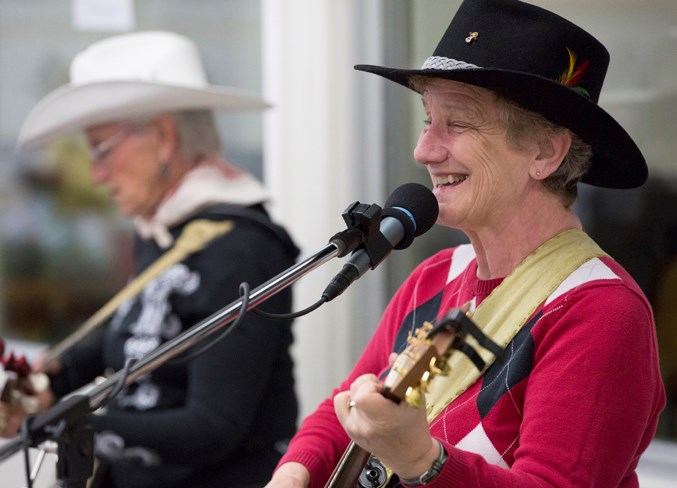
(103, 15)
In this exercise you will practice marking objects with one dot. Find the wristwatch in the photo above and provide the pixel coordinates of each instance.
(432, 473)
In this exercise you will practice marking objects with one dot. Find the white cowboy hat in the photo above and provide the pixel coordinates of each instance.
(126, 76)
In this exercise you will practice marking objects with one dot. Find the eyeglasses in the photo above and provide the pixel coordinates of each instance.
(100, 152)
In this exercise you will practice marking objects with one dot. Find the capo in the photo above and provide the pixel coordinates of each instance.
(459, 322)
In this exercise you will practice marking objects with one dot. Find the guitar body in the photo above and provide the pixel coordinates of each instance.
(349, 468)
(375, 475)
(358, 469)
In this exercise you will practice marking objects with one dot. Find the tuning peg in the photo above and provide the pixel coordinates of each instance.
(434, 366)
(10, 362)
(439, 366)
(425, 381)
(22, 367)
(414, 397)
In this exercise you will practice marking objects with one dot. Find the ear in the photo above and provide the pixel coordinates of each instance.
(168, 141)
(551, 152)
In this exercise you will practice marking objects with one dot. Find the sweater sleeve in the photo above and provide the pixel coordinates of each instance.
(321, 439)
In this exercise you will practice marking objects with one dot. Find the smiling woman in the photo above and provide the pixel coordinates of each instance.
(530, 278)
(643, 216)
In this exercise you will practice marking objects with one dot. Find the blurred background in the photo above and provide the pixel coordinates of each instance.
(333, 136)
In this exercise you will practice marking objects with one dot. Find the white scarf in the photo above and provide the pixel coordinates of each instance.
(211, 182)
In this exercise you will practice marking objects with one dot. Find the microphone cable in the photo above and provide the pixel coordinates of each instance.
(245, 294)
(292, 315)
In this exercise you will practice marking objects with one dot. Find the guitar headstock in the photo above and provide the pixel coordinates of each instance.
(21, 385)
(427, 352)
(424, 358)
(14, 364)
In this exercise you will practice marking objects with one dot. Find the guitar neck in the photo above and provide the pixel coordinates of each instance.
(347, 471)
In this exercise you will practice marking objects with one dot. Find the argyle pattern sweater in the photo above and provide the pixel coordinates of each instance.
(574, 403)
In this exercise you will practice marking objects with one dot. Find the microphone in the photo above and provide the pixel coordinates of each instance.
(410, 210)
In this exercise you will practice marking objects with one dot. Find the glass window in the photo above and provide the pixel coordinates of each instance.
(63, 249)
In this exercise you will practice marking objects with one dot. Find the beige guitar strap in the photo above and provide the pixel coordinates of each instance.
(503, 313)
(194, 237)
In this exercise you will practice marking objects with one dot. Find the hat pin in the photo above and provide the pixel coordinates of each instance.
(472, 37)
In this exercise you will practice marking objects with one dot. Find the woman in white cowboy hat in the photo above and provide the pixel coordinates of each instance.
(512, 125)
(218, 417)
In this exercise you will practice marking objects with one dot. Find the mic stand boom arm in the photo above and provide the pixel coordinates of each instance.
(88, 398)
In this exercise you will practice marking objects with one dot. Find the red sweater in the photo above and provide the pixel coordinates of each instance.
(575, 402)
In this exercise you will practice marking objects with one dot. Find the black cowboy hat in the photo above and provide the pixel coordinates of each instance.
(545, 64)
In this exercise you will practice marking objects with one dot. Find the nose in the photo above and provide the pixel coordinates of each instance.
(430, 147)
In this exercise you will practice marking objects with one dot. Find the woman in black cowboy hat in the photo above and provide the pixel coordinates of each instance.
(512, 126)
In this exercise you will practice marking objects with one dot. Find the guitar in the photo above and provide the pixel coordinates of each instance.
(424, 357)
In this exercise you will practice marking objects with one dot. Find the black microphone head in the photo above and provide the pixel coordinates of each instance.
(416, 207)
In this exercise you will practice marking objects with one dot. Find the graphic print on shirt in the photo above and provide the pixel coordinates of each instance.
(154, 325)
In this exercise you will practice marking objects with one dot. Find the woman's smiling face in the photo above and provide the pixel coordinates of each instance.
(478, 177)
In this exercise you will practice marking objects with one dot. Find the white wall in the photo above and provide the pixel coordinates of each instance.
(316, 164)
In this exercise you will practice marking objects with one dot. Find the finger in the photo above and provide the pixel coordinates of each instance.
(341, 408)
(365, 385)
(13, 425)
(10, 420)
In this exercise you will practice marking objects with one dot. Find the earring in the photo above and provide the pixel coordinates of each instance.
(538, 174)
(165, 170)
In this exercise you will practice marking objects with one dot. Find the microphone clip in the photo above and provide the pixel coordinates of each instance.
(363, 223)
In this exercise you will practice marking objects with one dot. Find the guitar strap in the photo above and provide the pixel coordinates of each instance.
(503, 313)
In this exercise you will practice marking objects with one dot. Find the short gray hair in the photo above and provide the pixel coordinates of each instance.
(523, 126)
(198, 136)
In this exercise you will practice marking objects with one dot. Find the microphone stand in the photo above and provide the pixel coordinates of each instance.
(63, 422)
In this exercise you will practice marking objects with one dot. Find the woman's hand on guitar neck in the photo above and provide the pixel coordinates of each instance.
(290, 475)
(44, 365)
(397, 434)
(11, 417)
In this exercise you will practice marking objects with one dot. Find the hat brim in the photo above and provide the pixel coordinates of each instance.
(617, 162)
(69, 109)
